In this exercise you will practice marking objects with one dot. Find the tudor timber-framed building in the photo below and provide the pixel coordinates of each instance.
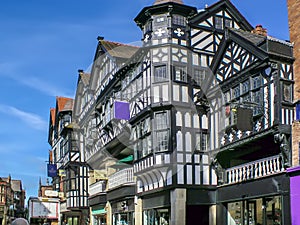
(194, 127)
(71, 179)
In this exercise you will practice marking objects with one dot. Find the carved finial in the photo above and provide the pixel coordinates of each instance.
(165, 1)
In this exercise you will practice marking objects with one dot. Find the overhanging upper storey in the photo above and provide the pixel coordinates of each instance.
(255, 74)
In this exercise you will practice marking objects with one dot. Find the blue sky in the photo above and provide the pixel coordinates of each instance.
(44, 43)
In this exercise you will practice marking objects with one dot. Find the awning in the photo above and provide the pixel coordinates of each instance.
(98, 212)
(126, 159)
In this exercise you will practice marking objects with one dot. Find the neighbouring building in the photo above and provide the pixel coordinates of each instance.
(12, 200)
(192, 127)
(70, 177)
(294, 173)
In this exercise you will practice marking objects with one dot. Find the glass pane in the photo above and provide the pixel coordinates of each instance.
(160, 73)
(161, 121)
(273, 210)
(235, 213)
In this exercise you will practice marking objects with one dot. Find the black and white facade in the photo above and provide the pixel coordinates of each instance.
(193, 127)
(71, 180)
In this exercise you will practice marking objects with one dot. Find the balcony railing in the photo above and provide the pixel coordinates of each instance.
(98, 187)
(254, 170)
(120, 178)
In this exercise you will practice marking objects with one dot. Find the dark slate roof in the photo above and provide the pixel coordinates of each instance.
(254, 38)
(268, 44)
(85, 77)
(119, 50)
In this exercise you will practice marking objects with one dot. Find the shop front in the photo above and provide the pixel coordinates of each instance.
(99, 216)
(266, 210)
(123, 212)
(260, 202)
(157, 216)
(157, 208)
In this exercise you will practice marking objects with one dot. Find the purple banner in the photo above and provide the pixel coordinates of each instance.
(298, 111)
(121, 110)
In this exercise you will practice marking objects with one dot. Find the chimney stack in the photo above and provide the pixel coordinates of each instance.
(260, 30)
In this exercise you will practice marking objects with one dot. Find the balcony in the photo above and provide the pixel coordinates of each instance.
(98, 187)
(254, 170)
(159, 159)
(121, 178)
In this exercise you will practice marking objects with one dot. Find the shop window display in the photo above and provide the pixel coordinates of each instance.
(123, 219)
(260, 211)
(156, 217)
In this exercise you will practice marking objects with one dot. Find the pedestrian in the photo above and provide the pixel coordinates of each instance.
(20, 221)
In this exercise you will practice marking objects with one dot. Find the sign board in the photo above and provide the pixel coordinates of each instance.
(51, 193)
(121, 110)
(52, 170)
(44, 209)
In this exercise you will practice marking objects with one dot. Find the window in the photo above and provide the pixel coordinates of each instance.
(180, 73)
(160, 20)
(148, 27)
(198, 141)
(201, 142)
(179, 20)
(162, 138)
(161, 120)
(257, 98)
(227, 97)
(160, 73)
(236, 92)
(287, 92)
(266, 210)
(141, 137)
(156, 217)
(228, 22)
(204, 141)
(245, 86)
(199, 76)
(162, 131)
(256, 82)
(218, 22)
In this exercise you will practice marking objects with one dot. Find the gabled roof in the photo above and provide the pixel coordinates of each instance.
(85, 78)
(64, 104)
(241, 49)
(16, 185)
(119, 50)
(114, 49)
(222, 4)
(52, 116)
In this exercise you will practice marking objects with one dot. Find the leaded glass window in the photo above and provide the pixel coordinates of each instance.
(162, 131)
(160, 73)
(180, 73)
(179, 20)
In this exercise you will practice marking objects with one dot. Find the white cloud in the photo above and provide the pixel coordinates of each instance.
(33, 120)
(44, 87)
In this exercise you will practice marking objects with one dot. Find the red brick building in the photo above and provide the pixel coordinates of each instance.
(294, 22)
(12, 199)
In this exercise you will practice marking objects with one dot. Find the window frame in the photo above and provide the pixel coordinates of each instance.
(160, 73)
